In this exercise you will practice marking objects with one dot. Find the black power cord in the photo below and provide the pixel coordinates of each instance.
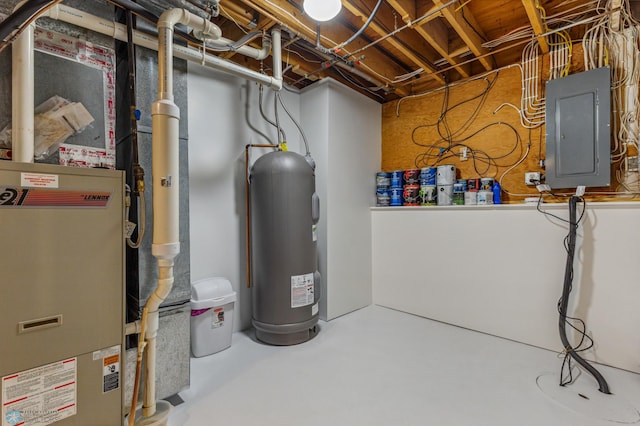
(571, 352)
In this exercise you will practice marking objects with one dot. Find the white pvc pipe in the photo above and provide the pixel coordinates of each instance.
(119, 32)
(165, 122)
(277, 56)
(132, 328)
(249, 51)
(149, 403)
(22, 99)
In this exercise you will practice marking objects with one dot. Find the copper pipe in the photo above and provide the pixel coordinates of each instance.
(248, 205)
(136, 383)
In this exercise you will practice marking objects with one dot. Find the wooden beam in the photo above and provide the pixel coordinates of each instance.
(436, 34)
(405, 8)
(395, 43)
(433, 31)
(536, 23)
(468, 29)
(290, 17)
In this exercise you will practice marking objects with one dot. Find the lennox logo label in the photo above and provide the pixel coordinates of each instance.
(40, 197)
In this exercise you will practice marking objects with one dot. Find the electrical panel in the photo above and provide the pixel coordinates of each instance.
(578, 109)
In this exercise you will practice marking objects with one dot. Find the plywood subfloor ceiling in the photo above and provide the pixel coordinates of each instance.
(410, 46)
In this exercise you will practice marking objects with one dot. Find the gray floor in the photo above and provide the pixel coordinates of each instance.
(377, 366)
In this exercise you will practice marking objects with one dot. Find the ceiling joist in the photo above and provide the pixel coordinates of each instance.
(537, 23)
(469, 31)
(433, 31)
(419, 62)
(409, 46)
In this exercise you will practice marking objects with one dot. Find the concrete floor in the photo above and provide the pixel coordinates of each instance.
(377, 366)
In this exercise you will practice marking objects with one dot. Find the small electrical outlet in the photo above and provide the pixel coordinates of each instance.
(532, 178)
(632, 163)
(464, 153)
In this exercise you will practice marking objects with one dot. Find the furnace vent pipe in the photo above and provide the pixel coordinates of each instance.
(23, 67)
(119, 32)
(165, 122)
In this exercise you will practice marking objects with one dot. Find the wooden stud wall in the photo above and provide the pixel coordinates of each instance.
(498, 140)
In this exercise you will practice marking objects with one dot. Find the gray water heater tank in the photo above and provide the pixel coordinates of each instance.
(285, 210)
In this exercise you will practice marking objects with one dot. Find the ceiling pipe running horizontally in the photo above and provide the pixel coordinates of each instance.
(23, 66)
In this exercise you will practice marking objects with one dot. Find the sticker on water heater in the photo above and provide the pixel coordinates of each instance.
(302, 290)
(217, 317)
(314, 233)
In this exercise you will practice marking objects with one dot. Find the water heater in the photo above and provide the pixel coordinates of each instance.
(61, 310)
(285, 210)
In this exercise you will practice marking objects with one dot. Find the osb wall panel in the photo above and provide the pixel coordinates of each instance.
(416, 132)
(433, 129)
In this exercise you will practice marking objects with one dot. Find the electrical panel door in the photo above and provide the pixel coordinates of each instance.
(578, 109)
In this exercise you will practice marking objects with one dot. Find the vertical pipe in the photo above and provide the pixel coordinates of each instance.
(165, 56)
(165, 118)
(165, 175)
(22, 99)
(277, 53)
(149, 404)
(277, 58)
(248, 205)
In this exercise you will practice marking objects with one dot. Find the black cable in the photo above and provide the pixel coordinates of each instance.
(142, 12)
(429, 157)
(15, 23)
(482, 37)
(441, 149)
(138, 171)
(564, 301)
(364, 27)
(353, 81)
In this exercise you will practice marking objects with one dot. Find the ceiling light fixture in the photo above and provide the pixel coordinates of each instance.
(322, 10)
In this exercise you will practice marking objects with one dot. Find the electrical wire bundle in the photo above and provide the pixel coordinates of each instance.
(585, 342)
(532, 103)
(614, 43)
(450, 139)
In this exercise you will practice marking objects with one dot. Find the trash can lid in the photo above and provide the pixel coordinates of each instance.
(211, 292)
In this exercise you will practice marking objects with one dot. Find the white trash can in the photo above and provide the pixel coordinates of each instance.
(212, 301)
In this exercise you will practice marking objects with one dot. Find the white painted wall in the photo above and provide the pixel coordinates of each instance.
(500, 270)
(344, 132)
(218, 133)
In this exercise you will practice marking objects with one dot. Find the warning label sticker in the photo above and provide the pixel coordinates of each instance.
(39, 180)
(110, 373)
(302, 290)
(110, 358)
(217, 318)
(40, 396)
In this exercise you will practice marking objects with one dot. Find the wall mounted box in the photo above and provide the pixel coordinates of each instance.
(578, 109)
